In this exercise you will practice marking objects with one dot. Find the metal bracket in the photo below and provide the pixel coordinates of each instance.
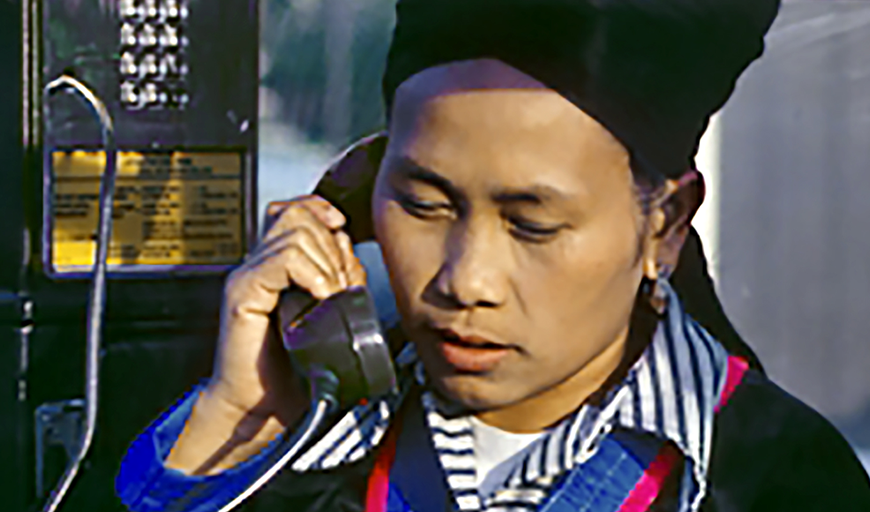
(57, 424)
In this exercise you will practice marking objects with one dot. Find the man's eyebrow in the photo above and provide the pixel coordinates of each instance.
(537, 194)
(411, 169)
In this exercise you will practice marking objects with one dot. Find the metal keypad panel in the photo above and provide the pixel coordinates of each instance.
(153, 62)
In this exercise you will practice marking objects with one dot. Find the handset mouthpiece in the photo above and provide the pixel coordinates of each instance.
(341, 335)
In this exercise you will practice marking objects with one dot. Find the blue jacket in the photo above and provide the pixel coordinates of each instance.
(771, 453)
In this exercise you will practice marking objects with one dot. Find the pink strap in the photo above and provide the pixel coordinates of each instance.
(650, 484)
(737, 369)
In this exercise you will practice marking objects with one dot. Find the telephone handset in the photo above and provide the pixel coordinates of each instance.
(337, 344)
(340, 335)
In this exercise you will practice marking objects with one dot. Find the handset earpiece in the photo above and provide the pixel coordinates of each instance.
(340, 335)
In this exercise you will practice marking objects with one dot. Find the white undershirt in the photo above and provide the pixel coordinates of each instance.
(495, 452)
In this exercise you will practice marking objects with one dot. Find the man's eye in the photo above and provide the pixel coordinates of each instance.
(533, 230)
(417, 207)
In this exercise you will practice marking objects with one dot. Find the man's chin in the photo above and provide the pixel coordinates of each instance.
(473, 393)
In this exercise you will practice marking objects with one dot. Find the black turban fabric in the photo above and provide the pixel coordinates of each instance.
(651, 71)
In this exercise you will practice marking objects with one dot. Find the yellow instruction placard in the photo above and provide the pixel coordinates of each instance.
(170, 209)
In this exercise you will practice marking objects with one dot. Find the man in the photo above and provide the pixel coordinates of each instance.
(533, 195)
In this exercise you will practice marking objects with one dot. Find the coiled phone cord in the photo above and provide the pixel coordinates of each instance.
(96, 305)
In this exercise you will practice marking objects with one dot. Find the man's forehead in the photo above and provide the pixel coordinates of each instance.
(482, 92)
(489, 95)
(465, 76)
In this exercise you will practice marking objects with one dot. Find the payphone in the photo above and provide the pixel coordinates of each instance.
(179, 80)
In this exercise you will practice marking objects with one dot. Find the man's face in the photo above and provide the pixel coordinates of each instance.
(511, 231)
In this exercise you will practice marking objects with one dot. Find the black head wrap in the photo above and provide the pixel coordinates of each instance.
(650, 71)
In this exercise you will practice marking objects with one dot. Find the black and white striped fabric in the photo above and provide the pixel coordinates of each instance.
(670, 392)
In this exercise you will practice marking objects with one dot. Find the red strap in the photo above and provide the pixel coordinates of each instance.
(379, 479)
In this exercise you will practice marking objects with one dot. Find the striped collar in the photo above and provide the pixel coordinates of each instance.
(670, 392)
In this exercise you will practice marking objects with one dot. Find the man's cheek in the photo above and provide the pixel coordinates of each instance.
(418, 253)
(408, 270)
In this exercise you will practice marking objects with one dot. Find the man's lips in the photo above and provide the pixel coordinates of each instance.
(469, 352)
(467, 340)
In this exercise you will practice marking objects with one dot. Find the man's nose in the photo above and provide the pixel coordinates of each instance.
(474, 272)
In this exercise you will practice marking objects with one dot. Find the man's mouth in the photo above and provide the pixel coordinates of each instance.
(470, 341)
(470, 353)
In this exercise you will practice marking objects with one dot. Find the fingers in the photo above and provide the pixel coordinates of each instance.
(356, 275)
(323, 210)
(307, 274)
(294, 259)
(318, 239)
(304, 246)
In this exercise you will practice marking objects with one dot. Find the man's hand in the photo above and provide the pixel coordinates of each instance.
(253, 395)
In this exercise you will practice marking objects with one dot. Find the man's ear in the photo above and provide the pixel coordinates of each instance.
(679, 209)
(349, 182)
